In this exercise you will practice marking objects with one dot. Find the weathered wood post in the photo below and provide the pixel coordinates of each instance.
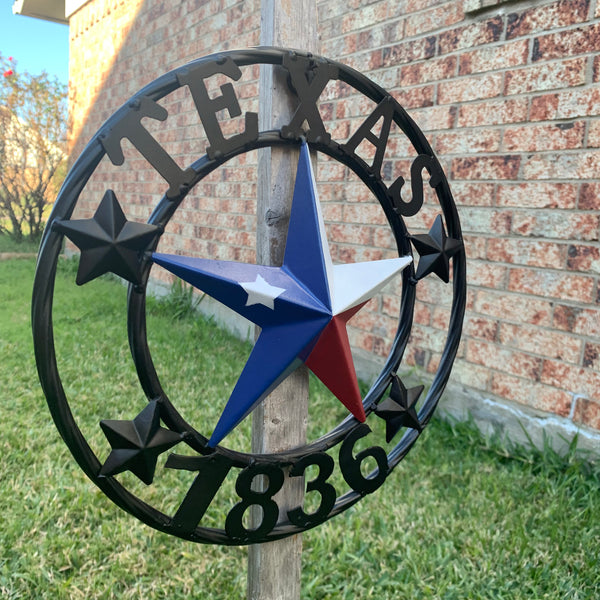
(279, 422)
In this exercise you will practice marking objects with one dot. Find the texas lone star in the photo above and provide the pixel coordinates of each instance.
(302, 307)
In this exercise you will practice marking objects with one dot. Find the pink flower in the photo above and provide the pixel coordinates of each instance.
(8, 73)
(10, 58)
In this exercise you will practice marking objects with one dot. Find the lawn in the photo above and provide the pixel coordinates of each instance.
(461, 517)
(26, 245)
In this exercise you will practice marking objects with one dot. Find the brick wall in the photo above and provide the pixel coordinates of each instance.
(508, 95)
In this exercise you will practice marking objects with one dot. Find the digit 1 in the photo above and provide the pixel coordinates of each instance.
(212, 471)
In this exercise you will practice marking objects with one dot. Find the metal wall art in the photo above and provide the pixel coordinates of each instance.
(302, 307)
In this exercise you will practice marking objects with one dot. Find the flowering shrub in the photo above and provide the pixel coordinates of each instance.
(33, 126)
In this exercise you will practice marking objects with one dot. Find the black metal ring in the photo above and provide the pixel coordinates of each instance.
(46, 271)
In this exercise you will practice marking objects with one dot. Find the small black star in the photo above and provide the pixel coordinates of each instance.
(435, 250)
(399, 409)
(109, 242)
(137, 444)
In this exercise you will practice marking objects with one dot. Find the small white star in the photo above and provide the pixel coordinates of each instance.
(261, 292)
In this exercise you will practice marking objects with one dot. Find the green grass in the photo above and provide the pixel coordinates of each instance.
(461, 517)
(25, 246)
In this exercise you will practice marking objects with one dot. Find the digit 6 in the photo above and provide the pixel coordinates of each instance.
(350, 465)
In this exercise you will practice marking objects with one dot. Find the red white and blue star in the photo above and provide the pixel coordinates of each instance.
(302, 307)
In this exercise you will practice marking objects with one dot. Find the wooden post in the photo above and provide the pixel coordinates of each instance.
(279, 423)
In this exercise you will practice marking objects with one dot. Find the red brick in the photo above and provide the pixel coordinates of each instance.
(493, 112)
(532, 394)
(539, 18)
(537, 195)
(483, 274)
(475, 246)
(364, 16)
(481, 328)
(541, 342)
(587, 412)
(470, 375)
(408, 52)
(582, 165)
(596, 69)
(565, 317)
(551, 400)
(524, 252)
(548, 284)
(434, 292)
(390, 305)
(332, 211)
(416, 357)
(352, 234)
(581, 40)
(515, 363)
(573, 379)
(505, 56)
(571, 104)
(360, 339)
(591, 356)
(435, 117)
(582, 226)
(366, 61)
(477, 220)
(556, 75)
(427, 71)
(556, 136)
(464, 89)
(473, 194)
(468, 141)
(514, 308)
(331, 10)
(438, 17)
(511, 387)
(593, 140)
(582, 321)
(426, 338)
(381, 347)
(347, 254)
(474, 34)
(364, 214)
(584, 258)
(440, 318)
(421, 314)
(589, 197)
(415, 97)
(330, 171)
(486, 167)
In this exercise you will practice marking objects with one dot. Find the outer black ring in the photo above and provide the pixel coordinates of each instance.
(46, 272)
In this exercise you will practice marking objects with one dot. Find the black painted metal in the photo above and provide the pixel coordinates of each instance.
(308, 76)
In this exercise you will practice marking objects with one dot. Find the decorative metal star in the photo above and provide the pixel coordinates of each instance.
(399, 409)
(302, 307)
(137, 444)
(435, 250)
(109, 243)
